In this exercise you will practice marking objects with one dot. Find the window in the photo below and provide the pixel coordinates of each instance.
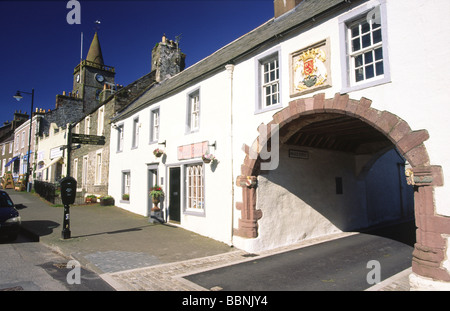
(366, 52)
(364, 40)
(23, 140)
(77, 129)
(126, 184)
(10, 147)
(154, 126)
(98, 168)
(75, 168)
(195, 188)
(270, 79)
(100, 120)
(84, 173)
(120, 138)
(87, 125)
(16, 141)
(268, 73)
(3, 149)
(193, 112)
(135, 132)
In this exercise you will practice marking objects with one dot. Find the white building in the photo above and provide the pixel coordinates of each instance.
(345, 92)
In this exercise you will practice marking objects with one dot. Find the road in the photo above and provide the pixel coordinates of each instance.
(335, 265)
(32, 266)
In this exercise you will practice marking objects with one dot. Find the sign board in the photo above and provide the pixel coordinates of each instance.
(56, 153)
(299, 154)
(88, 139)
(192, 151)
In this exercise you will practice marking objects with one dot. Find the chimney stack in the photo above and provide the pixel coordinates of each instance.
(284, 6)
(167, 59)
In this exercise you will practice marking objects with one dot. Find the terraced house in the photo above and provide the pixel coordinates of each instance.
(320, 121)
(89, 161)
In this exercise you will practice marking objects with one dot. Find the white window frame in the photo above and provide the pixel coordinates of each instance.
(120, 137)
(126, 185)
(87, 125)
(10, 147)
(23, 140)
(75, 169)
(194, 193)
(155, 125)
(84, 172)
(100, 120)
(136, 126)
(193, 111)
(260, 62)
(348, 20)
(98, 167)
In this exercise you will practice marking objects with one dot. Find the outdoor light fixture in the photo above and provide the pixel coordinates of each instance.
(18, 97)
(163, 143)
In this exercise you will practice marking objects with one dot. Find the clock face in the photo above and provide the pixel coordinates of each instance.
(99, 78)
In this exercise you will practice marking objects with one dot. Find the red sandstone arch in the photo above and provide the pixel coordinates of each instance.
(429, 250)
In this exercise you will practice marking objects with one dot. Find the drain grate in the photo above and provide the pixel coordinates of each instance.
(60, 265)
(250, 255)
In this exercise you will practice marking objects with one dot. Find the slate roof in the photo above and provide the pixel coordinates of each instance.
(305, 15)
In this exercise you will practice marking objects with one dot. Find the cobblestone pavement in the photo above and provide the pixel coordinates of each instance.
(169, 277)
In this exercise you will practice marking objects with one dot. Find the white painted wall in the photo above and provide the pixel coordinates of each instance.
(214, 127)
(417, 92)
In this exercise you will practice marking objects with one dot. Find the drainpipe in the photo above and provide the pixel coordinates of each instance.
(230, 69)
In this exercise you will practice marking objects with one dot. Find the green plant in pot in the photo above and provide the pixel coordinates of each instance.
(157, 194)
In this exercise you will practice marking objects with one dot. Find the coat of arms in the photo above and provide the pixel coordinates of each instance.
(309, 69)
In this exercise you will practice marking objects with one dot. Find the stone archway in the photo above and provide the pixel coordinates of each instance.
(430, 248)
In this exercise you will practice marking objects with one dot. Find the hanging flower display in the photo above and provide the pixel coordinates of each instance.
(208, 157)
(158, 152)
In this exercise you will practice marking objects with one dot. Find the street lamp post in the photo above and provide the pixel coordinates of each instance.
(19, 96)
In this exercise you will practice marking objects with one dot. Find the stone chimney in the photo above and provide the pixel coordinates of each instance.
(284, 6)
(167, 59)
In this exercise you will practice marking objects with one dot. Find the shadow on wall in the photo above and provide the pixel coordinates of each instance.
(330, 192)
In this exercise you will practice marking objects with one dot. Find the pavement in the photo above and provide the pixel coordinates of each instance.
(133, 254)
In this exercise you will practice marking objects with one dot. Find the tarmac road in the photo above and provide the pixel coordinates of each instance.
(335, 265)
(31, 266)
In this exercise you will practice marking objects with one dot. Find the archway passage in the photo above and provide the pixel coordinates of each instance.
(348, 125)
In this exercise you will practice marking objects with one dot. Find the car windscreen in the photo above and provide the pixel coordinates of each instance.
(5, 200)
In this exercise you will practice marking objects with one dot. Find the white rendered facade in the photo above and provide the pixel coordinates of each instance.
(412, 86)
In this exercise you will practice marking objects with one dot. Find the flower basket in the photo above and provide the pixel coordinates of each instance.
(156, 193)
(106, 200)
(208, 158)
(91, 199)
(126, 197)
(158, 152)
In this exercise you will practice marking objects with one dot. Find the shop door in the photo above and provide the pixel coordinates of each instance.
(174, 194)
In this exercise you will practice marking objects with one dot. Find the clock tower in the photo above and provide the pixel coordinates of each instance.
(90, 76)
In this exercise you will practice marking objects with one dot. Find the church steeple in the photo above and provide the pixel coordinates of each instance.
(95, 52)
(91, 75)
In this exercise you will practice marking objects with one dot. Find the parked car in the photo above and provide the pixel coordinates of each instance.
(9, 217)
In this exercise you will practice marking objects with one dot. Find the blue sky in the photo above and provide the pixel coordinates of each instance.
(39, 49)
